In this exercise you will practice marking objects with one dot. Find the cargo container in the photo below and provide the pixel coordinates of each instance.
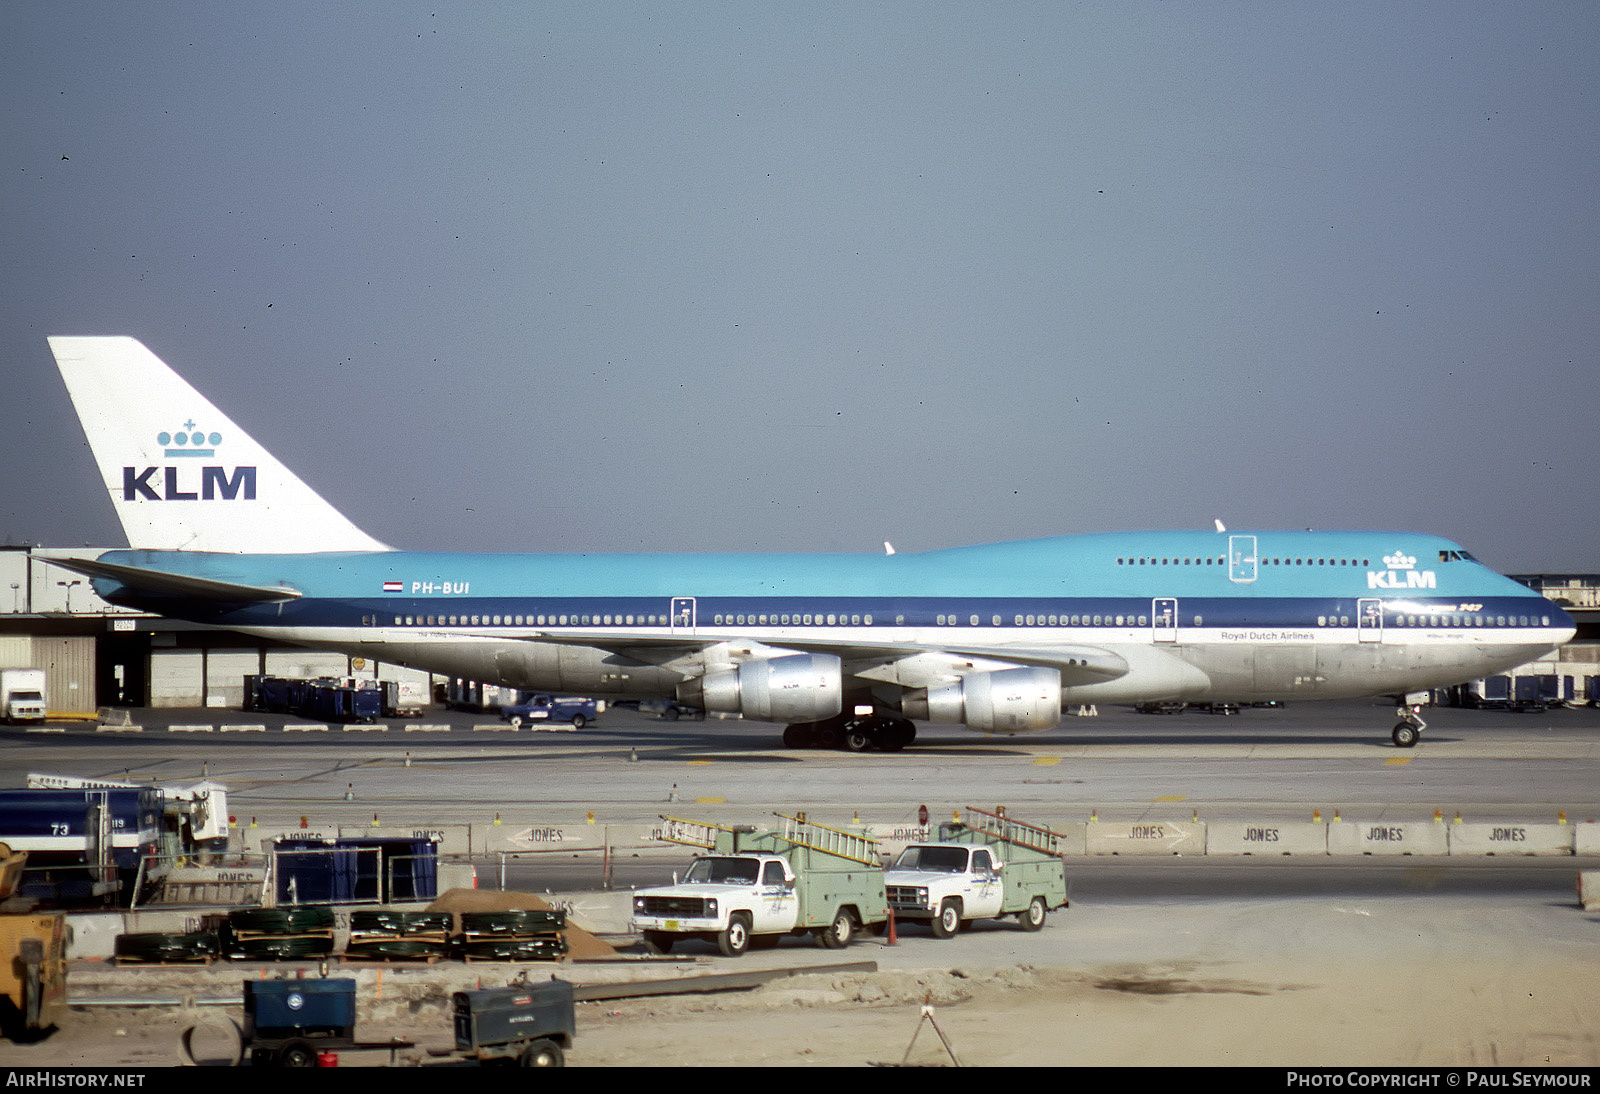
(1490, 693)
(1529, 693)
(355, 869)
(325, 698)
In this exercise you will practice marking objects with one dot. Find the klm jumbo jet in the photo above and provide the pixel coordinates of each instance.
(849, 650)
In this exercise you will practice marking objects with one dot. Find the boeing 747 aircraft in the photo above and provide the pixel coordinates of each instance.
(849, 650)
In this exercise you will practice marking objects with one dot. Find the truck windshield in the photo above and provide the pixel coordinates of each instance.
(949, 860)
(723, 871)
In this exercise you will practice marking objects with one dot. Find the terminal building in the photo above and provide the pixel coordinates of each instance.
(98, 655)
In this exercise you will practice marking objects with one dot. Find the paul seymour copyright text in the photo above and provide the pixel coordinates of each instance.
(1454, 1078)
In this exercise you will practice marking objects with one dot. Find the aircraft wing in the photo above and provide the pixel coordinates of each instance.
(1077, 664)
(161, 584)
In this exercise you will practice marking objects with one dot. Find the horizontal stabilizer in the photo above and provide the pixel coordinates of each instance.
(161, 583)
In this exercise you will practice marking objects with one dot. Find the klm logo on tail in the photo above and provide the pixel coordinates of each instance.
(215, 481)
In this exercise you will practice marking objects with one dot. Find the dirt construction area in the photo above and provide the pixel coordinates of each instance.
(1311, 981)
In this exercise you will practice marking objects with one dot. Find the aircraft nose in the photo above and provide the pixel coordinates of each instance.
(1561, 618)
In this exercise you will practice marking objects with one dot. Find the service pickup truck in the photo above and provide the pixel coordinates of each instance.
(964, 877)
(760, 885)
(22, 695)
(551, 708)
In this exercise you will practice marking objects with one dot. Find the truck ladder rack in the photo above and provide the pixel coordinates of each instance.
(1001, 827)
(830, 841)
(691, 833)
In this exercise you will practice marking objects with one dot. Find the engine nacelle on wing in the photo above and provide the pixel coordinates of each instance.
(805, 687)
(1007, 701)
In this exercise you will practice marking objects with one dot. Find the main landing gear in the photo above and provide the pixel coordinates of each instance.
(853, 733)
(1408, 731)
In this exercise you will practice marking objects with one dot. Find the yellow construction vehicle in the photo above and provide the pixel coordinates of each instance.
(33, 958)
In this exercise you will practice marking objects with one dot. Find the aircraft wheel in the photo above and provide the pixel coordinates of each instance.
(797, 735)
(899, 733)
(825, 736)
(857, 736)
(1406, 735)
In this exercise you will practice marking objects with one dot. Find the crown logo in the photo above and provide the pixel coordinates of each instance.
(1400, 561)
(189, 442)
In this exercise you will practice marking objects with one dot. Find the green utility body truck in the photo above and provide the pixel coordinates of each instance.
(987, 866)
(755, 885)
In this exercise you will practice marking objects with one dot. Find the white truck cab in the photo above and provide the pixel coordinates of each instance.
(725, 898)
(945, 883)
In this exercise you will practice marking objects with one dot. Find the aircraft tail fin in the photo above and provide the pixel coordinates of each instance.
(180, 473)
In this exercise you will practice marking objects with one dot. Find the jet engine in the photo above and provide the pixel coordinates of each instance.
(1006, 701)
(804, 687)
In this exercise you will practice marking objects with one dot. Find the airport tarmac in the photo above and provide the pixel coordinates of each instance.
(1174, 961)
(452, 767)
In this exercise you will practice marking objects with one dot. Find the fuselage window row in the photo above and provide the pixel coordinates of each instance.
(949, 620)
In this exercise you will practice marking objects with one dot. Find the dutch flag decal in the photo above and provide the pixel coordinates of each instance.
(393, 586)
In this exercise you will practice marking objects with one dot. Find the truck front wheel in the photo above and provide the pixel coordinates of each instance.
(735, 939)
(837, 935)
(579, 721)
(948, 921)
(516, 721)
(1032, 917)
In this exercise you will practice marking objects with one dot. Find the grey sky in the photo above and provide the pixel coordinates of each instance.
(807, 277)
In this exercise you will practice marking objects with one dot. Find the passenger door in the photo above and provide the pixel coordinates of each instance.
(683, 615)
(1369, 620)
(1241, 559)
(1164, 619)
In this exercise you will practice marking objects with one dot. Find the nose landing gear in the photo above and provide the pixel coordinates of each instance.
(1408, 731)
